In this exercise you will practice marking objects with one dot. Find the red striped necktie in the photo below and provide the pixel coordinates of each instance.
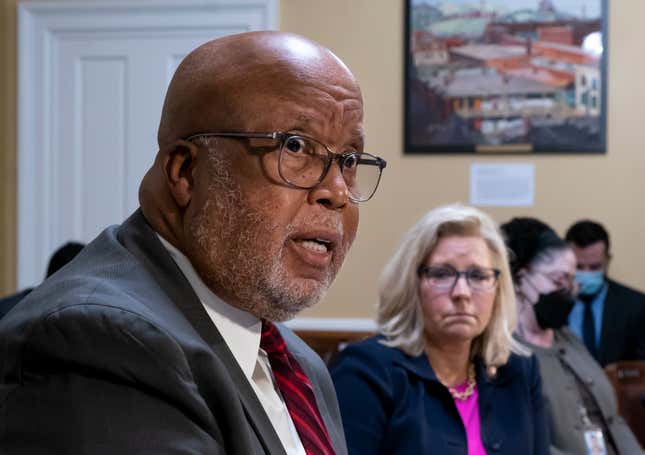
(297, 392)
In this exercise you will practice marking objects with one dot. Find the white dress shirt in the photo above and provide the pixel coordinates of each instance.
(241, 332)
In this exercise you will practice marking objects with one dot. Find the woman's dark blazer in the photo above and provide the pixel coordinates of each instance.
(392, 403)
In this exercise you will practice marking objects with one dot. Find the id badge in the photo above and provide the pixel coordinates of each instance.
(595, 442)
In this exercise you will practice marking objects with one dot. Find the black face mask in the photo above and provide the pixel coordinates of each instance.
(552, 309)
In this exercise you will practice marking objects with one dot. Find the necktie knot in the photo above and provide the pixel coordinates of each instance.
(271, 340)
(273, 344)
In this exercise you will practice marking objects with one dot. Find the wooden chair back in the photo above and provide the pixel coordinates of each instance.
(328, 343)
(628, 379)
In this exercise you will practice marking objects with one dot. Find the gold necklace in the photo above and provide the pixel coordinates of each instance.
(470, 388)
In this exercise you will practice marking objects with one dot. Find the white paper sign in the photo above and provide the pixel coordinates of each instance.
(503, 185)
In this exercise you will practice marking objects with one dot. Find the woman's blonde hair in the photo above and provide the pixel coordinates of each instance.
(400, 316)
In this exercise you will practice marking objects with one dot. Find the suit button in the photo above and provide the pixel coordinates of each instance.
(496, 446)
(562, 351)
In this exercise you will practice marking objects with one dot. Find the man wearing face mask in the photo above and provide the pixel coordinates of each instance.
(581, 406)
(608, 316)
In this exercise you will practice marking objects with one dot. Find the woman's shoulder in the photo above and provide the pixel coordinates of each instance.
(565, 338)
(368, 355)
(372, 347)
(519, 366)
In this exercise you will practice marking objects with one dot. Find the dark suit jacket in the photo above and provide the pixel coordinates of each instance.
(10, 301)
(116, 355)
(392, 403)
(560, 365)
(622, 335)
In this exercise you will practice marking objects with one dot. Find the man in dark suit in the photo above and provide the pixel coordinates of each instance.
(608, 316)
(159, 337)
(61, 256)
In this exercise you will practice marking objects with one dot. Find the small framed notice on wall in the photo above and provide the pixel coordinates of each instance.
(502, 185)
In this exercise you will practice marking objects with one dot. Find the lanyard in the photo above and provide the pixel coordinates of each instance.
(594, 439)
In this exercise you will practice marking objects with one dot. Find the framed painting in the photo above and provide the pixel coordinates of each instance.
(500, 76)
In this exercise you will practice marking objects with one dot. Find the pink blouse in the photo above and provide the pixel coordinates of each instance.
(469, 412)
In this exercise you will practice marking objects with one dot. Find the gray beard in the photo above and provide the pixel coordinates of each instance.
(228, 238)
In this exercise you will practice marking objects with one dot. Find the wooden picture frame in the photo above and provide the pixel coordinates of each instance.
(493, 76)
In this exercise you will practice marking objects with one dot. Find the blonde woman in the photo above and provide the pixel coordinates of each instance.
(444, 376)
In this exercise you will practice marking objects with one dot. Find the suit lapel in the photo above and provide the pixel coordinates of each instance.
(486, 390)
(138, 237)
(582, 365)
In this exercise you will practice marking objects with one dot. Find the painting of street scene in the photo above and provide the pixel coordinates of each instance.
(505, 75)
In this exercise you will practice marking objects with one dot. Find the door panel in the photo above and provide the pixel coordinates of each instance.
(92, 77)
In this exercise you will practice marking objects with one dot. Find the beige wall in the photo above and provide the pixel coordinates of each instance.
(367, 35)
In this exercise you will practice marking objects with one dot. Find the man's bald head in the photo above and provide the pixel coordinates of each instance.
(218, 87)
(214, 86)
(257, 241)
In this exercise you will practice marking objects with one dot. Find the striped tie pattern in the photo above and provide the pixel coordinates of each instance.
(297, 392)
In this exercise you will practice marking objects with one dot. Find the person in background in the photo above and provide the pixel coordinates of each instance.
(444, 376)
(580, 399)
(163, 336)
(608, 317)
(59, 258)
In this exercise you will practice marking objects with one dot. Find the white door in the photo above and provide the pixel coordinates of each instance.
(92, 77)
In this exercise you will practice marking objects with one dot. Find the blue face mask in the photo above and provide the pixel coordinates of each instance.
(590, 282)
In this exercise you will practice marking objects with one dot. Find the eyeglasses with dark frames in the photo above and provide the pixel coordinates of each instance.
(304, 162)
(444, 277)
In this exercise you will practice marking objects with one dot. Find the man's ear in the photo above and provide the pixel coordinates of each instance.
(178, 165)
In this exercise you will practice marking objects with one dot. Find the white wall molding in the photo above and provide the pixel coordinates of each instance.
(332, 324)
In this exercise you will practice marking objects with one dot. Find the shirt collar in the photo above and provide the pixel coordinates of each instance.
(597, 298)
(240, 329)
